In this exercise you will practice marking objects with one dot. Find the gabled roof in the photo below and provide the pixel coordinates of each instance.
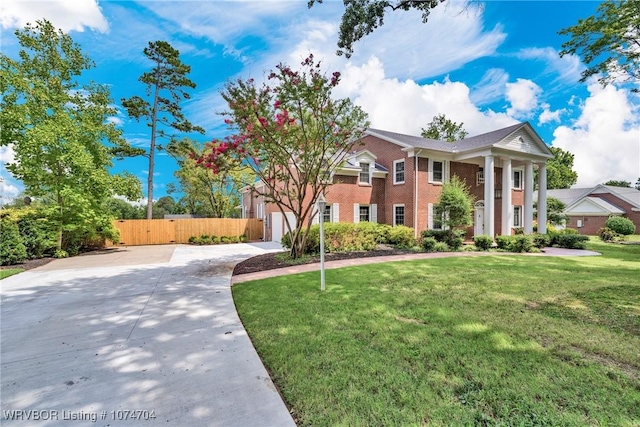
(477, 142)
(628, 194)
(573, 195)
(593, 206)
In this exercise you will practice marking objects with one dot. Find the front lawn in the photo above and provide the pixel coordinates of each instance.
(504, 339)
(6, 272)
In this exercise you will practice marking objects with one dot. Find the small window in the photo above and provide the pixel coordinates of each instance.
(365, 212)
(365, 173)
(398, 215)
(517, 180)
(517, 216)
(438, 171)
(480, 177)
(438, 218)
(327, 214)
(398, 172)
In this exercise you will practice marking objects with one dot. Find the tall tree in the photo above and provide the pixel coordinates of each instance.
(63, 142)
(166, 85)
(207, 193)
(456, 204)
(560, 173)
(608, 42)
(293, 135)
(618, 183)
(444, 129)
(362, 17)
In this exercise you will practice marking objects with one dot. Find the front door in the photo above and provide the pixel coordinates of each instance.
(478, 228)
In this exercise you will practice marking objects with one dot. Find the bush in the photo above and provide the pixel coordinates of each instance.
(607, 235)
(483, 242)
(519, 231)
(12, 249)
(429, 244)
(504, 242)
(341, 237)
(541, 240)
(60, 253)
(572, 241)
(621, 225)
(521, 243)
(453, 238)
(441, 247)
(401, 236)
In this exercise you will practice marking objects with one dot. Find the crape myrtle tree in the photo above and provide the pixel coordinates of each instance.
(608, 42)
(292, 134)
(560, 173)
(456, 204)
(166, 85)
(63, 142)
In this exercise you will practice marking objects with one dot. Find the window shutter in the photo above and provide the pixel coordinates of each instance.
(430, 219)
(374, 213)
(445, 170)
(430, 172)
(356, 213)
(316, 217)
(336, 212)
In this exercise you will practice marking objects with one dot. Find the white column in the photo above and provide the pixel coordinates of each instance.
(507, 210)
(542, 198)
(528, 198)
(489, 196)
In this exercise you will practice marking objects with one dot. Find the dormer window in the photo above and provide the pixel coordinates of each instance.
(365, 173)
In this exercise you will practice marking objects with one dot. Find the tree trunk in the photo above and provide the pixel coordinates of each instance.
(152, 147)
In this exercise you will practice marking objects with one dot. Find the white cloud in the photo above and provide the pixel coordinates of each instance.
(523, 97)
(567, 68)
(407, 107)
(605, 139)
(491, 87)
(67, 15)
(9, 187)
(7, 155)
(548, 116)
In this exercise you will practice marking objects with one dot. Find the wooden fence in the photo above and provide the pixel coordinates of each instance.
(135, 232)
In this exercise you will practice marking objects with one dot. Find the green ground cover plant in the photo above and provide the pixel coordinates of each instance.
(494, 340)
(10, 272)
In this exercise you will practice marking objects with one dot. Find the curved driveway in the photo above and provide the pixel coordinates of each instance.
(146, 329)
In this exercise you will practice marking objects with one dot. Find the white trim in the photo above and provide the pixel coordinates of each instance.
(404, 213)
(404, 170)
(517, 219)
(360, 182)
(336, 212)
(373, 213)
(520, 171)
(356, 213)
(445, 171)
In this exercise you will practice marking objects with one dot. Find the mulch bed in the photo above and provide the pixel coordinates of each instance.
(28, 264)
(272, 261)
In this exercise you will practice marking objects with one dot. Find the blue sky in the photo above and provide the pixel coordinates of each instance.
(488, 67)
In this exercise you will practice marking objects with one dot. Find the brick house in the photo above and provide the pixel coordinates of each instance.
(397, 179)
(589, 208)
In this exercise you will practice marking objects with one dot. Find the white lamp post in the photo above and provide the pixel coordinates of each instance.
(322, 203)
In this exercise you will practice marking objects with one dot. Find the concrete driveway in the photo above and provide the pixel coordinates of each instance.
(134, 336)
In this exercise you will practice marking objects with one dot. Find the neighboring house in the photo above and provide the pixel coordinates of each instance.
(396, 179)
(589, 208)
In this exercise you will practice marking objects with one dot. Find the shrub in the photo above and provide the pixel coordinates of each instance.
(521, 243)
(607, 235)
(504, 242)
(60, 253)
(621, 225)
(483, 242)
(441, 247)
(572, 241)
(341, 237)
(400, 235)
(519, 231)
(12, 249)
(541, 240)
(569, 231)
(429, 244)
(453, 238)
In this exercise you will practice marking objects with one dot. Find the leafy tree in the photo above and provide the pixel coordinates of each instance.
(560, 173)
(293, 135)
(166, 85)
(166, 206)
(608, 42)
(362, 17)
(121, 209)
(63, 142)
(207, 193)
(456, 203)
(616, 183)
(555, 211)
(444, 129)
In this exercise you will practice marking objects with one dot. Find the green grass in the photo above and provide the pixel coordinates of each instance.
(494, 340)
(10, 272)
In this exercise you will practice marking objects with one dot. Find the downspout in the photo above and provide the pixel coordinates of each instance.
(415, 194)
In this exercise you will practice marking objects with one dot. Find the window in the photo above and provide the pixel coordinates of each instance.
(438, 171)
(438, 217)
(327, 213)
(398, 172)
(517, 179)
(365, 174)
(365, 212)
(517, 216)
(480, 177)
(398, 214)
